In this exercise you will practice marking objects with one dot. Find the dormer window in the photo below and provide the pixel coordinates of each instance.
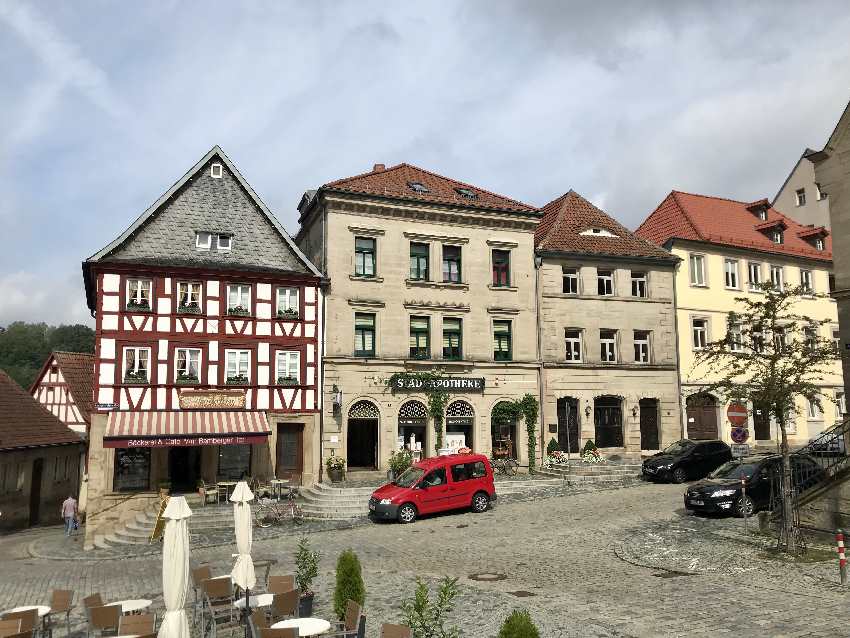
(418, 187)
(597, 232)
(216, 171)
(776, 236)
(466, 193)
(203, 240)
(819, 243)
(762, 214)
(225, 242)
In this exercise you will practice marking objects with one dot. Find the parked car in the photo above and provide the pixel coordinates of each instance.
(722, 491)
(456, 481)
(685, 460)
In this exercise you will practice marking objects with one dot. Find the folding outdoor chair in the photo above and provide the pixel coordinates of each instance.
(61, 602)
(285, 605)
(208, 491)
(137, 625)
(350, 626)
(218, 601)
(105, 619)
(281, 584)
(395, 631)
(279, 633)
(199, 575)
(28, 618)
(257, 622)
(10, 627)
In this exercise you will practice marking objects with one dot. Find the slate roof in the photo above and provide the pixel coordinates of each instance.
(164, 235)
(24, 422)
(394, 182)
(565, 218)
(727, 222)
(78, 371)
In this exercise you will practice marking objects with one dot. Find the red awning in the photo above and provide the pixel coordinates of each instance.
(184, 428)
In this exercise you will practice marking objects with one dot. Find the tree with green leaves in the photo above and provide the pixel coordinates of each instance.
(349, 582)
(427, 618)
(24, 347)
(770, 356)
(519, 625)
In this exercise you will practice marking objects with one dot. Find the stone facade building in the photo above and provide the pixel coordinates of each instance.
(427, 274)
(801, 197)
(608, 332)
(39, 460)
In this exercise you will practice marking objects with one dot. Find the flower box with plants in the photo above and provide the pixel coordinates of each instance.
(289, 313)
(189, 309)
(336, 468)
(187, 379)
(239, 311)
(306, 571)
(398, 462)
(139, 306)
(136, 377)
(239, 379)
(591, 454)
(287, 381)
(558, 458)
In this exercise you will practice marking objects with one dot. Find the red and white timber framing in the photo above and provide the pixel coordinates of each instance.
(52, 391)
(212, 331)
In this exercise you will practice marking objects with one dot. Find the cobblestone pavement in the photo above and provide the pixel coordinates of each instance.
(561, 555)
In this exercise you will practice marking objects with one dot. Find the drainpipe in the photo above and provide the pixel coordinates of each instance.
(538, 262)
(321, 354)
(682, 413)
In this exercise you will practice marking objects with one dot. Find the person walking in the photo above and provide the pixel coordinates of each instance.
(69, 513)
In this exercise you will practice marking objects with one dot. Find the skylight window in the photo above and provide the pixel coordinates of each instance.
(597, 232)
(467, 193)
(203, 241)
(418, 187)
(225, 242)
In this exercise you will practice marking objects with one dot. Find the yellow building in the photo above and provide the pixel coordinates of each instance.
(727, 248)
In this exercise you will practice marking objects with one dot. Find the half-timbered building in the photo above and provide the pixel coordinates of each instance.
(207, 346)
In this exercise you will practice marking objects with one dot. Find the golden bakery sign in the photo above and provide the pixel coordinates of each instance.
(212, 399)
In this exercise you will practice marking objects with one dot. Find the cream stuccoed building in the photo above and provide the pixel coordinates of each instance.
(424, 274)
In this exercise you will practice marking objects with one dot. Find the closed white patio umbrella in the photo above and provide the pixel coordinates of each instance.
(175, 569)
(243, 570)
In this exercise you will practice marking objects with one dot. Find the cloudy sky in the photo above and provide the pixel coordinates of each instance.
(105, 104)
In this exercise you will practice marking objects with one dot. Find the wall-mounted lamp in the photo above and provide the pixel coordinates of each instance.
(337, 399)
(634, 412)
(538, 261)
(587, 410)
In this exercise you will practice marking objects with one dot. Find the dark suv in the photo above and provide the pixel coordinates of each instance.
(721, 491)
(686, 459)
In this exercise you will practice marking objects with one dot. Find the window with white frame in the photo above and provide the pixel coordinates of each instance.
(605, 282)
(730, 268)
(777, 236)
(813, 411)
(807, 281)
(288, 367)
(570, 280)
(225, 242)
(216, 171)
(810, 335)
(735, 338)
(777, 277)
(188, 365)
(757, 339)
(836, 340)
(754, 274)
(136, 364)
(820, 194)
(699, 331)
(639, 287)
(840, 403)
(801, 197)
(238, 299)
(697, 266)
(203, 240)
(608, 346)
(139, 294)
(780, 339)
(237, 366)
(641, 346)
(287, 303)
(188, 297)
(819, 243)
(572, 337)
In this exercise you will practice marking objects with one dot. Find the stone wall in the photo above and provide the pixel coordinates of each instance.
(830, 510)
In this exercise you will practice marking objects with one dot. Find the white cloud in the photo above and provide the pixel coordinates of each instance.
(28, 296)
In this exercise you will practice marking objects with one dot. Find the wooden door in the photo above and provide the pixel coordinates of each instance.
(35, 491)
(648, 424)
(290, 451)
(702, 417)
(568, 424)
(761, 423)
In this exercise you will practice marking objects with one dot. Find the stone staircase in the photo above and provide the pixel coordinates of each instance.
(578, 473)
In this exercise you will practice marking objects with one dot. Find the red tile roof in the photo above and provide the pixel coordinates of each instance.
(395, 182)
(78, 370)
(24, 422)
(726, 222)
(565, 218)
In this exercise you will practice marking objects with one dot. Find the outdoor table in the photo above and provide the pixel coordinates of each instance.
(131, 606)
(257, 600)
(306, 626)
(43, 610)
(228, 488)
(277, 484)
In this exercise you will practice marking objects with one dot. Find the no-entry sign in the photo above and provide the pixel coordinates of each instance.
(737, 413)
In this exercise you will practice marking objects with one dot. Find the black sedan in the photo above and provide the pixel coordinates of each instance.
(722, 491)
(685, 460)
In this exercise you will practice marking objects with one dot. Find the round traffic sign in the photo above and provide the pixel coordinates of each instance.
(740, 435)
(737, 413)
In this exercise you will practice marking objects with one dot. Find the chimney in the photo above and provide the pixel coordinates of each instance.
(378, 168)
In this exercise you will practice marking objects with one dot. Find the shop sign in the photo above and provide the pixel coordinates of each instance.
(186, 441)
(452, 384)
(212, 399)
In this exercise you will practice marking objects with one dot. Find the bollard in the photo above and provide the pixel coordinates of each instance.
(842, 561)
(744, 498)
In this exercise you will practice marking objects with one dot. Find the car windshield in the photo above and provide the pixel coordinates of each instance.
(678, 447)
(735, 470)
(409, 477)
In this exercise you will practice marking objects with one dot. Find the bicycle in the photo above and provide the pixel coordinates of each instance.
(503, 460)
(271, 512)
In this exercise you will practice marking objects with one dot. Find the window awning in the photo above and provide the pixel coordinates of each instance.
(185, 428)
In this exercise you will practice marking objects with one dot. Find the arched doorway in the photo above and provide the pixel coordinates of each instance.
(503, 430)
(460, 422)
(362, 436)
(568, 428)
(701, 409)
(412, 425)
(649, 436)
(608, 421)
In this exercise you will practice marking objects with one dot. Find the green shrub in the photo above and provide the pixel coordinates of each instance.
(519, 625)
(306, 566)
(590, 446)
(349, 582)
(427, 618)
(400, 460)
(552, 446)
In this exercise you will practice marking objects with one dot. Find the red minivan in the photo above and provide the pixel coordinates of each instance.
(437, 484)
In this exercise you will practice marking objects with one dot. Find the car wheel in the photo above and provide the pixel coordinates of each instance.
(744, 506)
(679, 475)
(480, 502)
(406, 513)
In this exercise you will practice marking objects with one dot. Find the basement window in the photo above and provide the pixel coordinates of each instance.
(216, 171)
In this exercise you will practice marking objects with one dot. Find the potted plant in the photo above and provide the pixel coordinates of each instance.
(239, 311)
(239, 379)
(336, 468)
(289, 313)
(306, 570)
(287, 381)
(398, 462)
(349, 582)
